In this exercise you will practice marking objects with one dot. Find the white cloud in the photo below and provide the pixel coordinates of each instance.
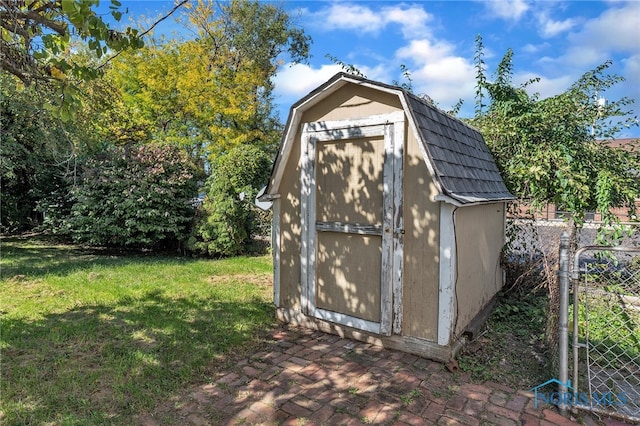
(412, 20)
(546, 86)
(534, 48)
(446, 81)
(632, 69)
(423, 49)
(447, 70)
(548, 27)
(380, 72)
(582, 57)
(352, 17)
(507, 10)
(438, 72)
(617, 29)
(632, 66)
(295, 81)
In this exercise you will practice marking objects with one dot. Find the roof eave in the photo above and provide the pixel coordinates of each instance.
(468, 201)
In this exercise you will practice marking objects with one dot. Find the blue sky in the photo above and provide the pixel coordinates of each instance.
(557, 41)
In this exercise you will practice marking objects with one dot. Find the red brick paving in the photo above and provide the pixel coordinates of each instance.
(311, 378)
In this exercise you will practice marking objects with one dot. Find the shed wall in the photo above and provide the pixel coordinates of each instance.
(479, 241)
(421, 246)
(290, 232)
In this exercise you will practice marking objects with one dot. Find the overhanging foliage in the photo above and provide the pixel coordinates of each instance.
(556, 150)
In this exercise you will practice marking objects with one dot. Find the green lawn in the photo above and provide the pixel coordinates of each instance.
(92, 338)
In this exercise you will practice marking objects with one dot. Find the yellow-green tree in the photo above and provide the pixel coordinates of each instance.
(148, 84)
(214, 92)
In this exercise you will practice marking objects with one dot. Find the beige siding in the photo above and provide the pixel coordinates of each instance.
(479, 241)
(349, 181)
(344, 263)
(290, 232)
(353, 102)
(421, 247)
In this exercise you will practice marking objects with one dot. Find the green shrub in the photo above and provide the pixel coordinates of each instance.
(55, 208)
(229, 218)
(135, 197)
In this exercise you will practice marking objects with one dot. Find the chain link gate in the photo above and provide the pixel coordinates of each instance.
(605, 322)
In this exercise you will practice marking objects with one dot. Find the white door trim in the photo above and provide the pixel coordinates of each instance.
(446, 290)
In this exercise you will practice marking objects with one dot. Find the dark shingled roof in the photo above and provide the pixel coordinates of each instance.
(461, 159)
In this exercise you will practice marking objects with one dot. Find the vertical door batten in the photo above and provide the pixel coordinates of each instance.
(398, 224)
(306, 165)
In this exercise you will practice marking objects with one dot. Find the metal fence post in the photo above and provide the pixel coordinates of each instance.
(563, 341)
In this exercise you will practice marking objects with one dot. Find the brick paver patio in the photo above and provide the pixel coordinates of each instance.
(305, 377)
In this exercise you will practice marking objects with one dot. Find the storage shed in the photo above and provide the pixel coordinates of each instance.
(388, 219)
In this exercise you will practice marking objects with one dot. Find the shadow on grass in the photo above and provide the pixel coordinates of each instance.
(36, 257)
(99, 364)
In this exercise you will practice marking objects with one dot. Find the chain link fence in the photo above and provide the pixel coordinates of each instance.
(532, 262)
(605, 316)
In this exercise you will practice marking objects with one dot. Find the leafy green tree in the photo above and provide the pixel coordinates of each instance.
(555, 150)
(151, 83)
(40, 151)
(229, 218)
(36, 154)
(38, 38)
(135, 197)
(241, 29)
(35, 32)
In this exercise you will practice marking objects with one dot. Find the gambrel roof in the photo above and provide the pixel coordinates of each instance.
(462, 166)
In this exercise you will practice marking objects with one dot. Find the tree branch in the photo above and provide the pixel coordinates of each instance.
(147, 31)
(8, 66)
(13, 13)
